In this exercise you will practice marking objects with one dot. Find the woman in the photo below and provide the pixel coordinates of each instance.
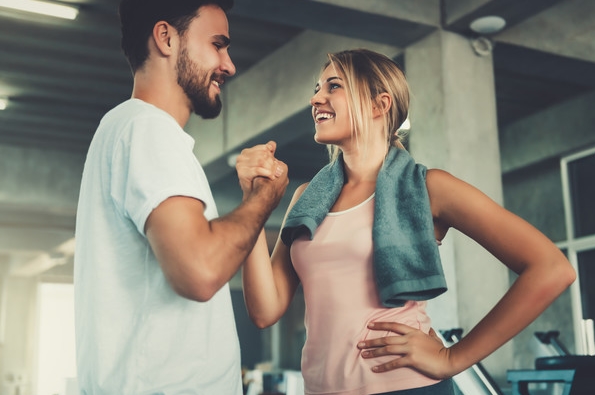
(362, 239)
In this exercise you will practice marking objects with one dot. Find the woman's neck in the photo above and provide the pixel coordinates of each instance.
(363, 165)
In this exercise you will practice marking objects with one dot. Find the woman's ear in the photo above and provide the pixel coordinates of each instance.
(382, 104)
(163, 33)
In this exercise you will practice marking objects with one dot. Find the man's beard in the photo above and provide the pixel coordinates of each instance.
(195, 84)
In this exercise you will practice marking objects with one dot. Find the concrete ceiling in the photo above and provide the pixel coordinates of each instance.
(62, 76)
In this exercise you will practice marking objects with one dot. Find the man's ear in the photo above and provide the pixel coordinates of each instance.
(382, 104)
(163, 33)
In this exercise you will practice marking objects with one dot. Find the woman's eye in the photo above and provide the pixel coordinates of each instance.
(331, 87)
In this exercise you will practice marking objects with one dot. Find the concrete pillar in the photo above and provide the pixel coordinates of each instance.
(454, 127)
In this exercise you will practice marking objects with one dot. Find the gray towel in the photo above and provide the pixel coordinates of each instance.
(406, 259)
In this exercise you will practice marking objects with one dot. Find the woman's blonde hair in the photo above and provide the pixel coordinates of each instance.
(366, 75)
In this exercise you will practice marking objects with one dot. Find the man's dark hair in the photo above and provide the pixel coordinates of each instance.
(138, 17)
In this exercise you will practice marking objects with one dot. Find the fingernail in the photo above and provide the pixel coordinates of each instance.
(278, 171)
(365, 353)
(371, 325)
(360, 344)
(375, 369)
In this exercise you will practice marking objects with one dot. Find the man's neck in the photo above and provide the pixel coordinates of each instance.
(163, 94)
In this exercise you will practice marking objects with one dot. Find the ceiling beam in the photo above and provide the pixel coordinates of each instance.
(333, 19)
(543, 65)
(457, 15)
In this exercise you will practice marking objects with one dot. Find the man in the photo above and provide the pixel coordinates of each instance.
(153, 308)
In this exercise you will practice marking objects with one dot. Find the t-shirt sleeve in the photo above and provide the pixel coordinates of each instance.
(152, 161)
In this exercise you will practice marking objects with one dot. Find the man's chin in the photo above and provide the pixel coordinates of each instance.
(208, 113)
(208, 110)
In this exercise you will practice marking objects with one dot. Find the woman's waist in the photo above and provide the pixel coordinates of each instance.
(348, 324)
(353, 314)
(331, 360)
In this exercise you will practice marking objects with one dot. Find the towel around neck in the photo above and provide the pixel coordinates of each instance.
(406, 260)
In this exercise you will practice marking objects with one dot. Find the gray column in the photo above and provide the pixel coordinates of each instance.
(454, 127)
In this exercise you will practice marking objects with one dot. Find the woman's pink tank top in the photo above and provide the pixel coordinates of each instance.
(335, 269)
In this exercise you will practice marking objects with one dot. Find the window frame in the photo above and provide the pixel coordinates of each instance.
(573, 247)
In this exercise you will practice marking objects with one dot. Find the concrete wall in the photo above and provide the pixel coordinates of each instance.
(38, 177)
(531, 150)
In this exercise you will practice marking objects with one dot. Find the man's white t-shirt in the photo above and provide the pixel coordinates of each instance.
(134, 334)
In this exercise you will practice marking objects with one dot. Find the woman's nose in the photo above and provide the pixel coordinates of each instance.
(317, 98)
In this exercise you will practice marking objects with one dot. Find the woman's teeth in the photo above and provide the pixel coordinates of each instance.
(324, 115)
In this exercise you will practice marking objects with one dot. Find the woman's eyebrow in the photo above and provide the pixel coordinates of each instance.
(329, 79)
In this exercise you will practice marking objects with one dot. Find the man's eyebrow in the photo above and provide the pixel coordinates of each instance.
(224, 39)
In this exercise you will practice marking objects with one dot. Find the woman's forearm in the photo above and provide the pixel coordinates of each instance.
(532, 292)
(268, 287)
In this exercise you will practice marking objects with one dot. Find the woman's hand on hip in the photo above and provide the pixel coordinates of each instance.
(412, 348)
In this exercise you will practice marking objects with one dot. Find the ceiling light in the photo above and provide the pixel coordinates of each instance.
(488, 24)
(3, 103)
(42, 7)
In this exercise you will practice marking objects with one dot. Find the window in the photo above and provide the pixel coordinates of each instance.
(579, 194)
(55, 339)
(582, 194)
